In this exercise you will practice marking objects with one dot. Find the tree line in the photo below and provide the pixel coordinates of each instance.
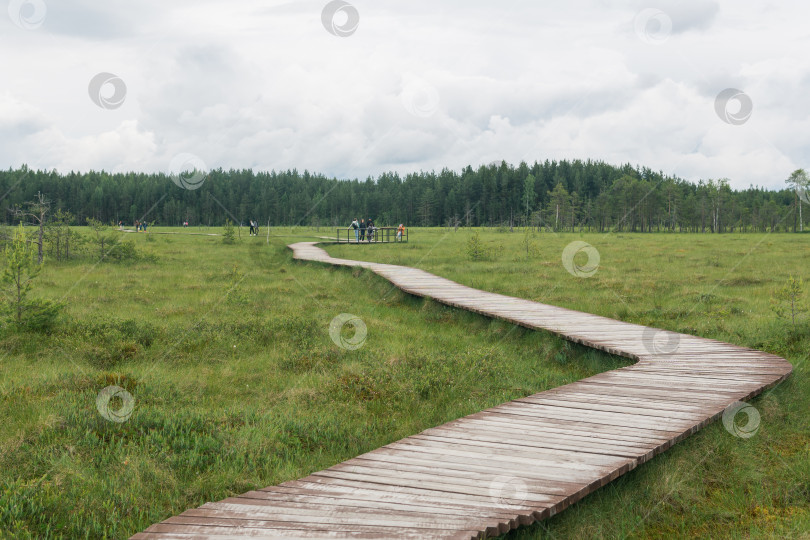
(558, 195)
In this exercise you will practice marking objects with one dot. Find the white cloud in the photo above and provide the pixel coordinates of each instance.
(18, 117)
(264, 85)
(123, 149)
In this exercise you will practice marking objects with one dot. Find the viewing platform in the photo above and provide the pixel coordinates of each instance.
(381, 235)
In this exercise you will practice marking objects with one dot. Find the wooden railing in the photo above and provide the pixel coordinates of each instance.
(382, 235)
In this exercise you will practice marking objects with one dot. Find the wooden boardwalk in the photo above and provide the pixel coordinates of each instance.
(513, 464)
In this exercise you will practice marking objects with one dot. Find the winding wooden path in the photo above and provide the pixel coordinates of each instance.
(510, 465)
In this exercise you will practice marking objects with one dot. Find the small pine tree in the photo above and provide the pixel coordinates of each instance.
(18, 275)
(102, 239)
(229, 236)
(19, 272)
(60, 234)
(475, 247)
(527, 242)
(786, 302)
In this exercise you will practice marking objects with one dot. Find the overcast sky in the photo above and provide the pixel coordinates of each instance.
(355, 89)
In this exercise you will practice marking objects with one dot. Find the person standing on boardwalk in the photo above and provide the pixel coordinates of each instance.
(370, 225)
(400, 230)
(252, 229)
(356, 227)
(362, 229)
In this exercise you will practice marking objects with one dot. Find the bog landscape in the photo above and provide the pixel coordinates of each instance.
(231, 381)
(404, 270)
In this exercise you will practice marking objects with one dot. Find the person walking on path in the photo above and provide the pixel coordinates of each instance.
(400, 230)
(356, 228)
(362, 229)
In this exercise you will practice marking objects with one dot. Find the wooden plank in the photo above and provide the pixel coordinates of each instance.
(241, 515)
(559, 429)
(211, 530)
(313, 499)
(539, 438)
(352, 489)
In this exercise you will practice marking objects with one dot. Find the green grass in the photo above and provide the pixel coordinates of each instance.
(237, 384)
(236, 381)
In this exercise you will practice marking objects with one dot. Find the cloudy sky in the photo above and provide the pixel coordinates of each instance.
(694, 88)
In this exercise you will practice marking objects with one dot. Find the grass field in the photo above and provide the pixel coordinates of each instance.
(238, 385)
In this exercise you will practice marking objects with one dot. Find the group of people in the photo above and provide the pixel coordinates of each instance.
(139, 225)
(254, 227)
(364, 230)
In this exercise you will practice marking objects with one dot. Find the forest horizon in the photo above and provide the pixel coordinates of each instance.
(556, 195)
